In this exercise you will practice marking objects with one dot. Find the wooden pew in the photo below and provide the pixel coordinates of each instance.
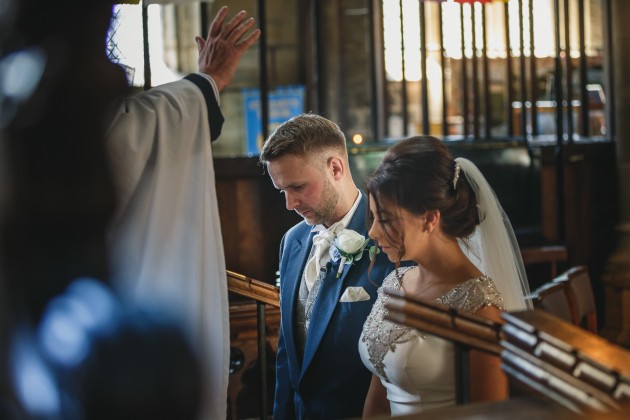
(570, 365)
(553, 297)
(579, 290)
(546, 254)
(549, 357)
(264, 295)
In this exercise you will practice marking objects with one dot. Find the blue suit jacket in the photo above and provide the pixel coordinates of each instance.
(330, 381)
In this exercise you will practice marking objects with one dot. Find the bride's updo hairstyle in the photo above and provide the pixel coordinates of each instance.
(419, 174)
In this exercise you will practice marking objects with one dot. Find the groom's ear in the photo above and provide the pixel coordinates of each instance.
(337, 167)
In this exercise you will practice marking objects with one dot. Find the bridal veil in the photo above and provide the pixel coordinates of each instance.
(493, 247)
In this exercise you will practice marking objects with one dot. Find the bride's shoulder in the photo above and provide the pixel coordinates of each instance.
(474, 294)
(396, 276)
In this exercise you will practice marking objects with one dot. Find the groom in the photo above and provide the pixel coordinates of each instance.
(319, 373)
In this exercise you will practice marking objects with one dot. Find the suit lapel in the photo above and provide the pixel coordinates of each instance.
(298, 252)
(357, 223)
(330, 293)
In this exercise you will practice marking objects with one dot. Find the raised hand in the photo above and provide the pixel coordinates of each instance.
(221, 52)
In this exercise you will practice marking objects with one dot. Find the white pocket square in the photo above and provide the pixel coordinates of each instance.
(354, 294)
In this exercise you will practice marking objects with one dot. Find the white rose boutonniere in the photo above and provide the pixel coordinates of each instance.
(348, 246)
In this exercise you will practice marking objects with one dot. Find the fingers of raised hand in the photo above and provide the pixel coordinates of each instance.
(233, 24)
(249, 40)
(200, 43)
(217, 23)
(240, 30)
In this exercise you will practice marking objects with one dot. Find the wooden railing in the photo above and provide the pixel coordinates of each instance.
(540, 352)
(466, 331)
(254, 289)
(263, 294)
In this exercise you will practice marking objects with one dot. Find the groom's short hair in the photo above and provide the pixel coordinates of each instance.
(303, 135)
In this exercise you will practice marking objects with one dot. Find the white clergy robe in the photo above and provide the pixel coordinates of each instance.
(167, 250)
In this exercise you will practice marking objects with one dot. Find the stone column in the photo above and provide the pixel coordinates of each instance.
(616, 277)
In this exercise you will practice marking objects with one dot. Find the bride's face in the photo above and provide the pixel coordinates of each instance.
(396, 229)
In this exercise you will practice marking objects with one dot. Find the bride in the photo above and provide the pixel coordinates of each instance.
(442, 214)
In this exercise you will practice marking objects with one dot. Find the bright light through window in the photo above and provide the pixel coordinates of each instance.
(544, 37)
(127, 36)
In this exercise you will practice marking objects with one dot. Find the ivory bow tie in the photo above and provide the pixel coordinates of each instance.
(321, 245)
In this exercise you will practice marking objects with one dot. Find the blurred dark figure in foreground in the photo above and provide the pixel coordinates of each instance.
(69, 349)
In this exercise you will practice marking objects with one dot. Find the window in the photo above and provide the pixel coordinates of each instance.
(126, 47)
(385, 69)
(449, 70)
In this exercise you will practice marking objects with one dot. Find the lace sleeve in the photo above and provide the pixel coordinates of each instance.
(473, 295)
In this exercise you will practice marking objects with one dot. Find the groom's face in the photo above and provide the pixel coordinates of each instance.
(306, 188)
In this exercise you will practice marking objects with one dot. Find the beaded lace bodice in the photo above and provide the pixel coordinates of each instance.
(418, 369)
(379, 338)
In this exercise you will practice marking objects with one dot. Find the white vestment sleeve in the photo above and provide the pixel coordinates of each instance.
(167, 250)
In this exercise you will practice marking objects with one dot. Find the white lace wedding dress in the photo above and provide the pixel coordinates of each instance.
(418, 369)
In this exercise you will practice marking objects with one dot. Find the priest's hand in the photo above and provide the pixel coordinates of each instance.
(221, 52)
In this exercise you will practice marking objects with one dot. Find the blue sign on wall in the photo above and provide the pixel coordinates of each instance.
(284, 103)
